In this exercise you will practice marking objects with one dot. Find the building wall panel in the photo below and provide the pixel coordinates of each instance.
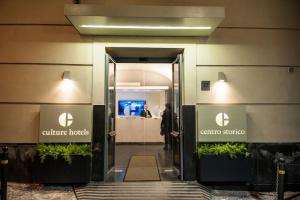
(44, 44)
(44, 84)
(273, 123)
(250, 47)
(33, 11)
(242, 13)
(249, 85)
(19, 123)
(271, 95)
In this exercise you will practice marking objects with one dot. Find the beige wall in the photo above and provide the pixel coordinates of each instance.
(43, 84)
(37, 44)
(255, 62)
(250, 85)
(35, 50)
(241, 13)
(273, 123)
(19, 123)
(44, 44)
(271, 95)
(250, 47)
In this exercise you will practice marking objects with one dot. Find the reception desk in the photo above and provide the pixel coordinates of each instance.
(138, 129)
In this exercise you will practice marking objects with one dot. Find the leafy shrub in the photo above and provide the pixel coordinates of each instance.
(65, 151)
(231, 149)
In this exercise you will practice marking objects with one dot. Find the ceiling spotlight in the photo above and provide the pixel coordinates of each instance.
(66, 75)
(221, 77)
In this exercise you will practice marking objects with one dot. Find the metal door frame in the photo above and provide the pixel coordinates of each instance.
(179, 61)
(181, 66)
(108, 59)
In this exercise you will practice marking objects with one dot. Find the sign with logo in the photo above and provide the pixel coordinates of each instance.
(222, 123)
(64, 124)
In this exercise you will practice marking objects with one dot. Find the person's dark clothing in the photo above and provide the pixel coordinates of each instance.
(166, 126)
(166, 122)
(146, 113)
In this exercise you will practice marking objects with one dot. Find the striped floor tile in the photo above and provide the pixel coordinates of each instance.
(143, 191)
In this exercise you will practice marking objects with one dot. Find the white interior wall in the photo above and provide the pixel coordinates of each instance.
(148, 130)
(155, 100)
(157, 74)
(147, 75)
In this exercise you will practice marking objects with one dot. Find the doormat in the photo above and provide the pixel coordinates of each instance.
(142, 168)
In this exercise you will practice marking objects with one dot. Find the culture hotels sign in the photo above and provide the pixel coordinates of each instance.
(64, 124)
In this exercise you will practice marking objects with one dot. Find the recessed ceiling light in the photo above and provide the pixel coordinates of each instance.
(149, 27)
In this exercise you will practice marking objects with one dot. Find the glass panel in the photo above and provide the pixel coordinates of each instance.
(176, 98)
(111, 96)
(176, 116)
(137, 132)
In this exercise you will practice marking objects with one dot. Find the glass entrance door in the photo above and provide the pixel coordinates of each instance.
(110, 106)
(176, 114)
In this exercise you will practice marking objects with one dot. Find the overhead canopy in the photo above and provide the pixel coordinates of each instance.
(93, 19)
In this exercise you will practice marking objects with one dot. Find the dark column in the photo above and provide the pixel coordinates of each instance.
(189, 142)
(98, 142)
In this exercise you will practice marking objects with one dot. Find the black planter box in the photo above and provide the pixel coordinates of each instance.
(59, 171)
(222, 168)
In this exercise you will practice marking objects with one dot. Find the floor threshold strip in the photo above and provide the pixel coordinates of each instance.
(143, 190)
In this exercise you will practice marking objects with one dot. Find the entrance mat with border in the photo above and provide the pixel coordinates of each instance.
(142, 168)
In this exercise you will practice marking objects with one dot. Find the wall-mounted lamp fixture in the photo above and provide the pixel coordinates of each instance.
(66, 75)
(221, 77)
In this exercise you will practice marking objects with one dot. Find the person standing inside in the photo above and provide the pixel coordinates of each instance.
(166, 125)
(146, 113)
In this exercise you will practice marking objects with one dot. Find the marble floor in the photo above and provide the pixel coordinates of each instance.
(18, 191)
(246, 195)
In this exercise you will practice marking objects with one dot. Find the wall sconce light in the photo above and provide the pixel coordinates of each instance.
(66, 75)
(221, 77)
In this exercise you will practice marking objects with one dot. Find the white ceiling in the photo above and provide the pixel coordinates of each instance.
(163, 69)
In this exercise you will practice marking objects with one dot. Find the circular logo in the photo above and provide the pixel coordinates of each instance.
(222, 119)
(65, 119)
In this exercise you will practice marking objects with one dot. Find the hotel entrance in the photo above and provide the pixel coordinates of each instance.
(143, 114)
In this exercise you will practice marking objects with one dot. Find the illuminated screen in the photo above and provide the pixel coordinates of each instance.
(130, 107)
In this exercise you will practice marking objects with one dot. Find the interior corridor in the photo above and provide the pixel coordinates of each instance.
(125, 151)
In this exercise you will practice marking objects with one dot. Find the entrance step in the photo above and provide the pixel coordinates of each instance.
(143, 191)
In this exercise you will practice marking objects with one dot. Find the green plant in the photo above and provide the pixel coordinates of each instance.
(65, 151)
(231, 149)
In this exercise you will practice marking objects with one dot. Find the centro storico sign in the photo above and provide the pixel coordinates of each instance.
(222, 123)
(64, 124)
